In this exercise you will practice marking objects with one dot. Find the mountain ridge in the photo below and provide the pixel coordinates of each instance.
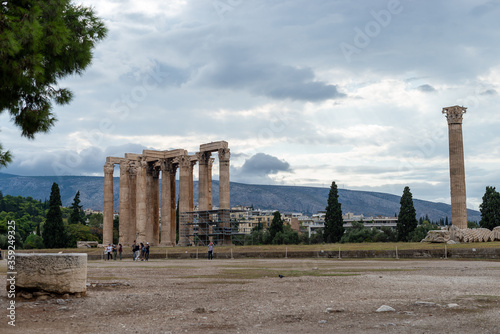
(307, 200)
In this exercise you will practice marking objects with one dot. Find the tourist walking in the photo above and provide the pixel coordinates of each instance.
(210, 251)
(120, 250)
(114, 252)
(107, 252)
(143, 251)
(146, 252)
(137, 252)
(134, 246)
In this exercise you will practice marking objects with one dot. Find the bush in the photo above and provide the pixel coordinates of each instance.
(420, 232)
(33, 241)
(79, 232)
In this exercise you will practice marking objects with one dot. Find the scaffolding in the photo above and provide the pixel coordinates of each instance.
(199, 228)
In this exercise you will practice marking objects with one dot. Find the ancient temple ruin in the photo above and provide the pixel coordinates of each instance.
(139, 197)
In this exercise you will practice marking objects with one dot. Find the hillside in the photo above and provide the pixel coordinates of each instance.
(283, 198)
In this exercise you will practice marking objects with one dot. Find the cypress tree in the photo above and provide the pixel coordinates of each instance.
(490, 209)
(334, 224)
(407, 218)
(276, 225)
(76, 213)
(54, 234)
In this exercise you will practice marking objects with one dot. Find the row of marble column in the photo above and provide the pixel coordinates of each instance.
(139, 195)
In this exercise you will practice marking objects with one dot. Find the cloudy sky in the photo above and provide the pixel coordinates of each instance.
(306, 92)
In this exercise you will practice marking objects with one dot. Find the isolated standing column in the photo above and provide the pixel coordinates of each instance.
(457, 167)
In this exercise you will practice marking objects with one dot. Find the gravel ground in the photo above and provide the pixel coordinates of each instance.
(247, 296)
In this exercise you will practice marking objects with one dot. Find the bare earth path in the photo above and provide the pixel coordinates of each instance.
(247, 296)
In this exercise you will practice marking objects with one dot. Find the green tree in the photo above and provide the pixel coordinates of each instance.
(80, 232)
(490, 209)
(420, 232)
(95, 220)
(407, 218)
(42, 41)
(334, 225)
(33, 241)
(472, 224)
(76, 211)
(54, 234)
(276, 225)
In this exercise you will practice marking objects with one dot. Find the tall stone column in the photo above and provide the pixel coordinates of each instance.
(132, 206)
(149, 203)
(191, 201)
(210, 197)
(224, 198)
(156, 206)
(166, 203)
(124, 203)
(203, 193)
(457, 169)
(107, 222)
(185, 172)
(209, 173)
(173, 205)
(141, 201)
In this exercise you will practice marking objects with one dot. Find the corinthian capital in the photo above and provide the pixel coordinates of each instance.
(224, 154)
(454, 114)
(109, 168)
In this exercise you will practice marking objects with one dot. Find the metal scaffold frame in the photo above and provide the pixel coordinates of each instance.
(203, 227)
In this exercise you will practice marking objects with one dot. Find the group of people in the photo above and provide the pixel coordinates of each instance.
(140, 252)
(110, 252)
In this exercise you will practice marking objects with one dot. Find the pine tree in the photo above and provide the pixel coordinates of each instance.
(54, 234)
(276, 225)
(42, 42)
(334, 224)
(407, 218)
(76, 213)
(490, 209)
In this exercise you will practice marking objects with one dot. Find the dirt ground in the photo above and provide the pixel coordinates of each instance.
(248, 296)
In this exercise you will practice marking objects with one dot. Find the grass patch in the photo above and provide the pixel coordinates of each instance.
(282, 248)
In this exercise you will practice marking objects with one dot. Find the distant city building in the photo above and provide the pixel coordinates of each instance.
(318, 221)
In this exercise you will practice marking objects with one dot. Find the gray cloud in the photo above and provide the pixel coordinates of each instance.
(490, 92)
(426, 88)
(89, 161)
(257, 169)
(271, 80)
